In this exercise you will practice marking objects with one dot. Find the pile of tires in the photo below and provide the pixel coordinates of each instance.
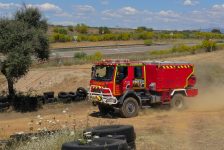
(48, 97)
(4, 106)
(67, 97)
(112, 137)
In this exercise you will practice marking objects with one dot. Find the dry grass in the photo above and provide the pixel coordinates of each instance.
(197, 128)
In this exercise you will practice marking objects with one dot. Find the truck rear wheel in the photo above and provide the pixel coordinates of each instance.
(130, 108)
(177, 102)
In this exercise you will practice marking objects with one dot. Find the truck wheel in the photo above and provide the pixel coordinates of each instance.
(129, 108)
(177, 102)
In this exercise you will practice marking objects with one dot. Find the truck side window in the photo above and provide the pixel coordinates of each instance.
(122, 72)
(138, 72)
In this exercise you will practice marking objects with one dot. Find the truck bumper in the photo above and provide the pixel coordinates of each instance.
(100, 96)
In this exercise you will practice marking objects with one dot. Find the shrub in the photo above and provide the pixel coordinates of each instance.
(97, 56)
(104, 30)
(70, 28)
(80, 55)
(56, 37)
(160, 52)
(148, 42)
(60, 30)
(81, 28)
(209, 45)
(181, 48)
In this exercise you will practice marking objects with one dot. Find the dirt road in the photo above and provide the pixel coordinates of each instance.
(199, 127)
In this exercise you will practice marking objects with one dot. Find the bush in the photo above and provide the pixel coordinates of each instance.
(104, 30)
(209, 45)
(148, 42)
(181, 48)
(97, 56)
(160, 52)
(60, 30)
(70, 28)
(80, 55)
(56, 37)
(81, 28)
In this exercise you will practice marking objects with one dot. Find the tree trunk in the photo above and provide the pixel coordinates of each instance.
(11, 88)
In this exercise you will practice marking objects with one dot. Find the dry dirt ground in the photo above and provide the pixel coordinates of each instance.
(199, 127)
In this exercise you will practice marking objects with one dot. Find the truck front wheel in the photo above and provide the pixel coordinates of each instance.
(130, 108)
(177, 102)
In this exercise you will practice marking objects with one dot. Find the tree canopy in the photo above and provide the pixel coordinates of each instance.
(21, 38)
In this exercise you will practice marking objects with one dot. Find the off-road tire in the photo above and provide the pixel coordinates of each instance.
(178, 102)
(129, 108)
(114, 130)
(97, 144)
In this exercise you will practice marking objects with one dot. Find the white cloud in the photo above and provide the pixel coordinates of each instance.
(46, 7)
(110, 13)
(168, 13)
(9, 5)
(128, 10)
(82, 9)
(218, 7)
(190, 2)
(119, 13)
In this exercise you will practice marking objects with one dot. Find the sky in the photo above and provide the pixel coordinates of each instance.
(156, 14)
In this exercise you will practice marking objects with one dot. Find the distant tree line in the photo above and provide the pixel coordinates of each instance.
(64, 34)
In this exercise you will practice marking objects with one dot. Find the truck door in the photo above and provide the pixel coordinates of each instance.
(139, 77)
(121, 75)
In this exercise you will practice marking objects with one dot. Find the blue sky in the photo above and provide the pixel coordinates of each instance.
(157, 14)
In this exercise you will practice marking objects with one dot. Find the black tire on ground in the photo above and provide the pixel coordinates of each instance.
(81, 92)
(129, 108)
(104, 110)
(48, 94)
(97, 144)
(64, 97)
(48, 97)
(104, 131)
(177, 102)
(4, 106)
(131, 145)
(72, 95)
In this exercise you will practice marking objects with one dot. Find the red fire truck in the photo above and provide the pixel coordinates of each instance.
(129, 85)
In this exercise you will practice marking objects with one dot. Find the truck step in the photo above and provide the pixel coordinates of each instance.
(145, 107)
(145, 99)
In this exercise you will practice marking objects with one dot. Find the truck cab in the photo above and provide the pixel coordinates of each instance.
(127, 86)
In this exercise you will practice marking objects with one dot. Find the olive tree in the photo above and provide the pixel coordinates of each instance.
(21, 38)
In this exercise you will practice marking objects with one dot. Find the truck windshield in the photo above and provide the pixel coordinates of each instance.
(102, 73)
